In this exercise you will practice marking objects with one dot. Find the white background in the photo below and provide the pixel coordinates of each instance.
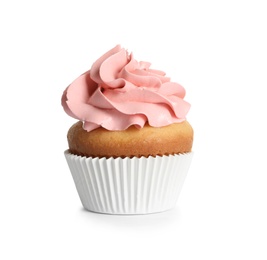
(216, 49)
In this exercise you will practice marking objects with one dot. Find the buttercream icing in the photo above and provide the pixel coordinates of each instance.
(118, 91)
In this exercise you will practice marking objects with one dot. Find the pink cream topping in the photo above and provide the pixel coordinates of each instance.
(119, 91)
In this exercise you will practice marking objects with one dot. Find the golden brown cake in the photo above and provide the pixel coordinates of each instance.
(132, 142)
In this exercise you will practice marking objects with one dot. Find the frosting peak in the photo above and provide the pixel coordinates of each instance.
(119, 91)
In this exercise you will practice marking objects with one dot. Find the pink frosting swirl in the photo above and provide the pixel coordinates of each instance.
(119, 91)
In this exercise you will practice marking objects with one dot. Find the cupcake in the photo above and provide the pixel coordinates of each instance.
(131, 148)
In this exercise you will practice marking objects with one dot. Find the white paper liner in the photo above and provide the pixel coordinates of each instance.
(129, 185)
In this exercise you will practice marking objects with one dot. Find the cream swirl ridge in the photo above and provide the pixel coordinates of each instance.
(119, 91)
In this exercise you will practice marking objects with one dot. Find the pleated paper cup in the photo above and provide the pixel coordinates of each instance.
(129, 185)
